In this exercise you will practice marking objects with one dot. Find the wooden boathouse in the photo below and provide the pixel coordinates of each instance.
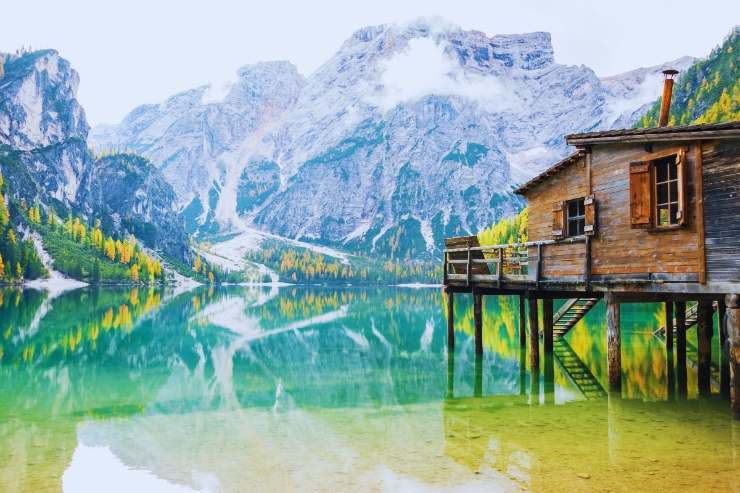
(636, 215)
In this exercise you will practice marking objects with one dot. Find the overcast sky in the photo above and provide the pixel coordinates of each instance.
(141, 51)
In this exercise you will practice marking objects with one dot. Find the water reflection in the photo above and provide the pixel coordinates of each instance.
(218, 388)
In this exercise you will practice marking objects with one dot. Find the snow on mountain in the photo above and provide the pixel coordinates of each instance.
(409, 133)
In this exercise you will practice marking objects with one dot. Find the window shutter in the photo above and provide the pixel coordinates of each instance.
(558, 220)
(640, 195)
(590, 220)
(680, 169)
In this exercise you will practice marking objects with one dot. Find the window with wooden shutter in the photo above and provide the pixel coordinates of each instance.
(589, 227)
(558, 220)
(641, 194)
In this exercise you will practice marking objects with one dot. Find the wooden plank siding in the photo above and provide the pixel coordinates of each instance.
(618, 249)
(721, 177)
(559, 261)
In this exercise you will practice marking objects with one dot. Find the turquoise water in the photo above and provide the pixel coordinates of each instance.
(314, 389)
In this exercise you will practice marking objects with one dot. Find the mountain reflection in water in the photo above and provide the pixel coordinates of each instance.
(303, 389)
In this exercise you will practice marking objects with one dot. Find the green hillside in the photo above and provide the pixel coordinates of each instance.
(708, 92)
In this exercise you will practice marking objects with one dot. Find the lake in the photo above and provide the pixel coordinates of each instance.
(324, 389)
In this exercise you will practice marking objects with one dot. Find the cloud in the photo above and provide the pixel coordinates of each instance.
(424, 68)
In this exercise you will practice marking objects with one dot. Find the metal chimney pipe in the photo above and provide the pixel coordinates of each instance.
(665, 104)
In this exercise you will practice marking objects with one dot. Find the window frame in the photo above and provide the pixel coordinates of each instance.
(579, 219)
(670, 200)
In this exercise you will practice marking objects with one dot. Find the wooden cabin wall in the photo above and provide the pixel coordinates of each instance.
(558, 260)
(618, 250)
(721, 175)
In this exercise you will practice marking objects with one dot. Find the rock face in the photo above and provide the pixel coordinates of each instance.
(406, 135)
(132, 197)
(43, 129)
(44, 156)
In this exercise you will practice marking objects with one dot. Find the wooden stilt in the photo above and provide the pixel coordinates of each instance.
(522, 370)
(450, 319)
(681, 377)
(724, 350)
(732, 324)
(549, 378)
(547, 322)
(522, 321)
(478, 321)
(670, 374)
(614, 344)
(534, 336)
(704, 339)
(669, 325)
(478, 386)
(451, 375)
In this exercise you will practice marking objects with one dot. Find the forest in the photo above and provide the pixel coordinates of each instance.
(301, 265)
(708, 92)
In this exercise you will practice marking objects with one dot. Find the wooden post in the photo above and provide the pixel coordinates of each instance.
(732, 324)
(724, 350)
(478, 385)
(681, 376)
(534, 337)
(451, 375)
(704, 325)
(450, 320)
(669, 325)
(670, 374)
(549, 378)
(522, 321)
(614, 344)
(547, 322)
(522, 370)
(478, 321)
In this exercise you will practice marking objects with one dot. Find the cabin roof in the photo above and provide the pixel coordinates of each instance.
(631, 135)
(555, 168)
(656, 134)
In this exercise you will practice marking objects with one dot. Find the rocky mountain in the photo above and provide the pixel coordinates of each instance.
(140, 203)
(44, 156)
(43, 129)
(409, 133)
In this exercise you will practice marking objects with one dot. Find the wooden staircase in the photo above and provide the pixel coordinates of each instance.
(692, 315)
(570, 313)
(577, 370)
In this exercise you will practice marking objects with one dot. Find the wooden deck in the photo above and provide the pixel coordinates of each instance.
(535, 266)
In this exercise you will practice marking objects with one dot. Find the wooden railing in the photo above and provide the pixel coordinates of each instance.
(498, 263)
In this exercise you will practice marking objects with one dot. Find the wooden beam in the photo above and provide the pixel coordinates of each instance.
(724, 349)
(522, 321)
(699, 190)
(681, 374)
(614, 344)
(669, 325)
(451, 375)
(478, 321)
(732, 321)
(587, 267)
(589, 186)
(478, 384)
(534, 337)
(450, 320)
(704, 339)
(547, 322)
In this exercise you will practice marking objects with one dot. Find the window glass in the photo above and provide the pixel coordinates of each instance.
(666, 191)
(576, 217)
